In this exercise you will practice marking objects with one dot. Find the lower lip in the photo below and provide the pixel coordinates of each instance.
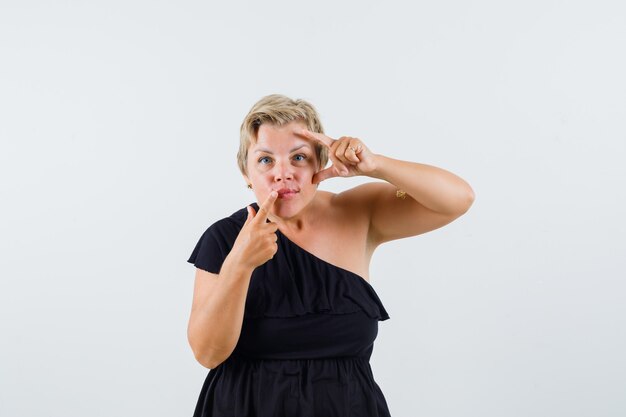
(287, 196)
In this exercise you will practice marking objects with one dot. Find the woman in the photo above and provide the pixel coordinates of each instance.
(283, 313)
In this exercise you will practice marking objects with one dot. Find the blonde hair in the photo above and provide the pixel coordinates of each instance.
(278, 110)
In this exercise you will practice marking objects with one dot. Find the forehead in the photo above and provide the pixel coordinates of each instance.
(285, 136)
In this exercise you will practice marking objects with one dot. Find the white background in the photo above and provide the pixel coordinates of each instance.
(119, 127)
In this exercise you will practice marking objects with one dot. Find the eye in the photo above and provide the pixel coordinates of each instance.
(300, 157)
(265, 160)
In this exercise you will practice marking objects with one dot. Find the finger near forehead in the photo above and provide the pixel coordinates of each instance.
(317, 137)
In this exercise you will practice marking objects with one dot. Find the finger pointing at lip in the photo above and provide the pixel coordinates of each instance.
(266, 207)
(256, 242)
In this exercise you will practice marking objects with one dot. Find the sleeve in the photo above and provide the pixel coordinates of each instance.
(211, 249)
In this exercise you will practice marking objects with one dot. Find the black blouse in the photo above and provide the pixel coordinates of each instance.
(307, 336)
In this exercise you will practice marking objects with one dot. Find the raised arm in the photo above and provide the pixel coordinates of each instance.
(434, 197)
(415, 198)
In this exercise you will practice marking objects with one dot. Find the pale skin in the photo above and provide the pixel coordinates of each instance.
(343, 229)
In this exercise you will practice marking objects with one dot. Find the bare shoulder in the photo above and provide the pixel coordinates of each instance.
(341, 227)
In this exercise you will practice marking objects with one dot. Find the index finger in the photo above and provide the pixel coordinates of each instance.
(265, 208)
(318, 136)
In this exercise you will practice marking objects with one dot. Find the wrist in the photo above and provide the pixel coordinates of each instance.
(235, 265)
(380, 163)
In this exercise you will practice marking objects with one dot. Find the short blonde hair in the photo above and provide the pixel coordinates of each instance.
(278, 110)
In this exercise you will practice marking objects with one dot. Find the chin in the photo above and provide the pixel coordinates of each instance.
(287, 209)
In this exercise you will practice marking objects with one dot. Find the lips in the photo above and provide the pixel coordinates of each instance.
(286, 192)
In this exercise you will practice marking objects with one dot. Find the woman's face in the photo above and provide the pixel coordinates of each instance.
(283, 160)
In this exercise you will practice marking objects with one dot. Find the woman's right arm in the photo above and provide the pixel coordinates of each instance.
(219, 299)
(217, 312)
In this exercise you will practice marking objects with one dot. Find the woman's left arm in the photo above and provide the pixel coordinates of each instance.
(415, 198)
(418, 198)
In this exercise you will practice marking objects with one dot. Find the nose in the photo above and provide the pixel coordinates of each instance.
(283, 172)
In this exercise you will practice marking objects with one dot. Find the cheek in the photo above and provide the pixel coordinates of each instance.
(306, 171)
(312, 165)
(258, 170)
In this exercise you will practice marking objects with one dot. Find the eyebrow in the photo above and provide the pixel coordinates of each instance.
(272, 153)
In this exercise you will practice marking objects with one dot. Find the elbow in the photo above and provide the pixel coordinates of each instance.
(207, 361)
(469, 199)
(208, 357)
(463, 203)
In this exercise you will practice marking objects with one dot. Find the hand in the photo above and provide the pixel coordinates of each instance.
(256, 242)
(349, 156)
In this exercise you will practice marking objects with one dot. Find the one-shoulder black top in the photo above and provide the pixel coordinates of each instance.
(307, 337)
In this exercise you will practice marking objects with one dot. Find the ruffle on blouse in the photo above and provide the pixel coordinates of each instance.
(295, 282)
